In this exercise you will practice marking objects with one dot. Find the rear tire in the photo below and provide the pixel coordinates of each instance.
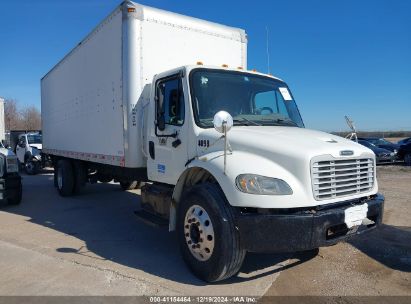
(129, 185)
(65, 178)
(104, 179)
(80, 176)
(218, 255)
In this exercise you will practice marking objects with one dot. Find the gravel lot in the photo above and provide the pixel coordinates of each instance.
(94, 245)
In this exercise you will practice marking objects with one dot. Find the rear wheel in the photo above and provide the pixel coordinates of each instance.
(65, 178)
(209, 242)
(407, 159)
(80, 176)
(129, 185)
(104, 178)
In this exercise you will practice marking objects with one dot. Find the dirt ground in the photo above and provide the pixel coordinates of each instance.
(375, 264)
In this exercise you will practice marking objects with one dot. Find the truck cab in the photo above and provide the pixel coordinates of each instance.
(28, 151)
(284, 187)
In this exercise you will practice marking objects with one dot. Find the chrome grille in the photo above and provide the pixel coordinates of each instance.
(337, 178)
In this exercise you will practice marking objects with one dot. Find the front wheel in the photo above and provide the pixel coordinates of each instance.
(209, 242)
(31, 167)
(16, 196)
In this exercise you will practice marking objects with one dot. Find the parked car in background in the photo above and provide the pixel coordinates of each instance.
(382, 155)
(404, 141)
(28, 151)
(404, 153)
(382, 143)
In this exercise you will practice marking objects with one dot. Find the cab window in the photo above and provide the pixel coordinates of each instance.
(171, 101)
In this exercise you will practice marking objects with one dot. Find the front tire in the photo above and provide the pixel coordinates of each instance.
(31, 167)
(65, 178)
(209, 242)
(16, 198)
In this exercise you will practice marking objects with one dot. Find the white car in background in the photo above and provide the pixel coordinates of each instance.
(28, 151)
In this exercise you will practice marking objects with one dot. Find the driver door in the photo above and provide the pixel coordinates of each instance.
(21, 148)
(168, 147)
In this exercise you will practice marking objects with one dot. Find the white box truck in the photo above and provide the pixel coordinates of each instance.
(166, 100)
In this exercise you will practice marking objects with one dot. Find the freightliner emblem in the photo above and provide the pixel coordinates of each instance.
(346, 152)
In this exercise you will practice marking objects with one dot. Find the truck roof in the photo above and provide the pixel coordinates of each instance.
(228, 68)
(144, 12)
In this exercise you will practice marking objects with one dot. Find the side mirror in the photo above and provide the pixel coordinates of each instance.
(222, 121)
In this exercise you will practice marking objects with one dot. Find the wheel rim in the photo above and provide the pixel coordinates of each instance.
(29, 166)
(199, 233)
(60, 178)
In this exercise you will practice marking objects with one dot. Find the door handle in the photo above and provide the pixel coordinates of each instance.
(176, 143)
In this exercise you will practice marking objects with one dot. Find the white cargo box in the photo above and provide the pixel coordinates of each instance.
(90, 99)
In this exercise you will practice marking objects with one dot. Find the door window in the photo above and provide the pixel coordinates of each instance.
(171, 101)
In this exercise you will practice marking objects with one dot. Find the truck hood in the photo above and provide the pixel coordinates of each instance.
(274, 142)
(7, 152)
(286, 153)
(37, 146)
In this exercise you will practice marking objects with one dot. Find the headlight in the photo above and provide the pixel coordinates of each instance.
(257, 184)
(12, 164)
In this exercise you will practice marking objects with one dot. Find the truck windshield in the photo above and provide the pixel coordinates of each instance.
(34, 139)
(250, 99)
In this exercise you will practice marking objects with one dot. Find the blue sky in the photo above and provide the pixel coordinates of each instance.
(338, 57)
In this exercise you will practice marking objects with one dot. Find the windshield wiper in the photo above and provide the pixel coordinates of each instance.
(281, 121)
(243, 119)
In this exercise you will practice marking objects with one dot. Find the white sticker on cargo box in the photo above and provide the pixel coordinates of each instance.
(286, 94)
(355, 215)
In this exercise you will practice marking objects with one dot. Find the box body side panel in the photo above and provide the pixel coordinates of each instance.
(82, 97)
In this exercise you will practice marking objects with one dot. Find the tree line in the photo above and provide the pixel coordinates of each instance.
(21, 117)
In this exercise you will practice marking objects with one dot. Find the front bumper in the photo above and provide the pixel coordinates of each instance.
(304, 229)
(10, 188)
(386, 159)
